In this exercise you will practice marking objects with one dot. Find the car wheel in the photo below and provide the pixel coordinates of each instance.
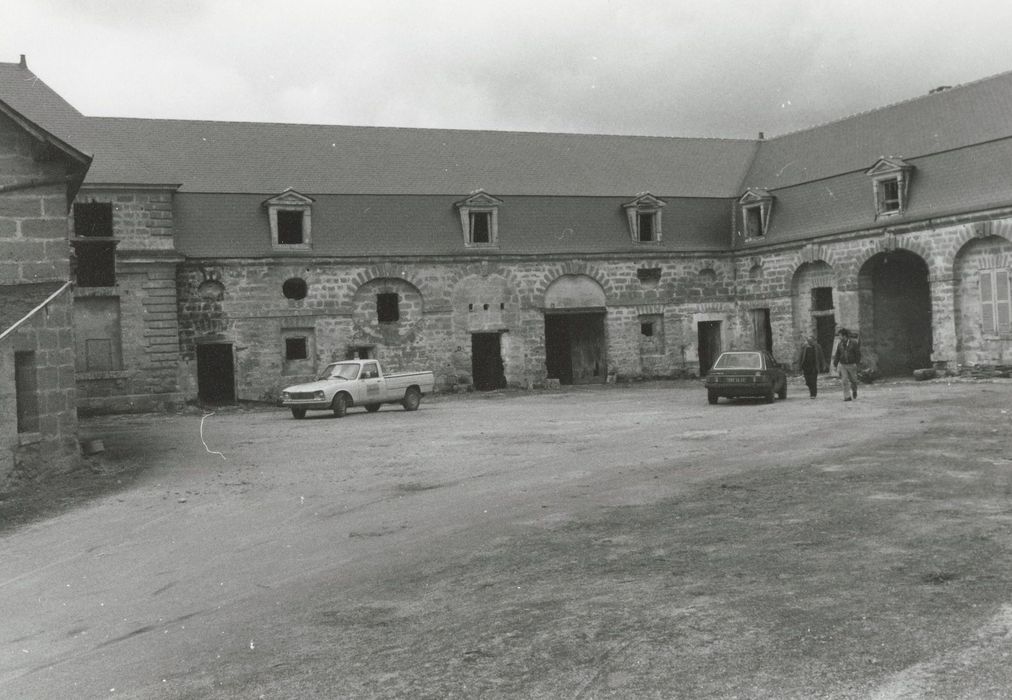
(412, 397)
(340, 404)
(712, 396)
(782, 394)
(373, 407)
(298, 412)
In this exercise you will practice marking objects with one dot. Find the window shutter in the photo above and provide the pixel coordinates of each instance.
(1001, 300)
(987, 314)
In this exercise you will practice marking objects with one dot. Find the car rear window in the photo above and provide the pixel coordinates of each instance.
(744, 360)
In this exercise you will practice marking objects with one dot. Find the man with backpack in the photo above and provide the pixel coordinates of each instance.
(847, 355)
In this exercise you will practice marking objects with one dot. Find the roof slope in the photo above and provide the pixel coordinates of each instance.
(955, 118)
(24, 92)
(245, 157)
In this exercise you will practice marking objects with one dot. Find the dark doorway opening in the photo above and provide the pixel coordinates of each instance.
(215, 373)
(895, 311)
(575, 350)
(486, 361)
(762, 330)
(825, 333)
(708, 333)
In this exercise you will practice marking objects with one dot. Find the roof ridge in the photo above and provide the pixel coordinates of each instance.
(419, 128)
(891, 105)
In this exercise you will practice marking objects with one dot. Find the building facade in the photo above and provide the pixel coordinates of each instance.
(39, 176)
(222, 261)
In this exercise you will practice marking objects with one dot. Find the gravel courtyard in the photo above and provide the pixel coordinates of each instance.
(611, 541)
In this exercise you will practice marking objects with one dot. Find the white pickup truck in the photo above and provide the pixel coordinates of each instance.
(357, 383)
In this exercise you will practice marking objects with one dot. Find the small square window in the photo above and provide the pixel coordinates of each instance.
(96, 263)
(649, 276)
(296, 349)
(647, 329)
(822, 298)
(388, 307)
(289, 227)
(481, 226)
(93, 220)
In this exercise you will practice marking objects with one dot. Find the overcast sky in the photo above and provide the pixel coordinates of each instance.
(724, 68)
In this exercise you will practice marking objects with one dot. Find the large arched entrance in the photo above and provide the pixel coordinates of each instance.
(575, 349)
(895, 312)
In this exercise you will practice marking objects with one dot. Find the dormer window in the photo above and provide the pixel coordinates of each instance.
(756, 206)
(890, 182)
(479, 220)
(290, 215)
(643, 215)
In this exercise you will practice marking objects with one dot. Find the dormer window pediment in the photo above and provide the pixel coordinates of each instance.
(890, 184)
(289, 198)
(756, 209)
(290, 215)
(643, 215)
(479, 219)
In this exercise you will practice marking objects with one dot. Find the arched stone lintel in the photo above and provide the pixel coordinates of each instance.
(574, 267)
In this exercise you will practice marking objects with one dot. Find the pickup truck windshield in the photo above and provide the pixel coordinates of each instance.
(340, 371)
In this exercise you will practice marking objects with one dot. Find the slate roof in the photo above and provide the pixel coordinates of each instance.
(244, 157)
(266, 158)
(963, 115)
(31, 97)
(18, 300)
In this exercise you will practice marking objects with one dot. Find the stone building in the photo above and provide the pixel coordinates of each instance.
(39, 176)
(224, 260)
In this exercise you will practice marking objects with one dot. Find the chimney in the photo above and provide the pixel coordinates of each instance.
(940, 88)
(24, 62)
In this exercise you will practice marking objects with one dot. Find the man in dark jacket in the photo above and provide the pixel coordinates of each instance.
(811, 361)
(847, 355)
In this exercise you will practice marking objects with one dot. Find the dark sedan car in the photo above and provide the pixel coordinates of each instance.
(746, 373)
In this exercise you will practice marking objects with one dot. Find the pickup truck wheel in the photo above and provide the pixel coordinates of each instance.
(782, 394)
(340, 405)
(712, 396)
(412, 397)
(298, 412)
(372, 407)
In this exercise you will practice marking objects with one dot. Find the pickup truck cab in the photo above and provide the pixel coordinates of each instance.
(342, 385)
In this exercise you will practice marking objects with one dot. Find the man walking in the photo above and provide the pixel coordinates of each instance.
(811, 361)
(847, 355)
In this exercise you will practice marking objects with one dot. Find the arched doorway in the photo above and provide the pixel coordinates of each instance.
(575, 348)
(895, 312)
(813, 303)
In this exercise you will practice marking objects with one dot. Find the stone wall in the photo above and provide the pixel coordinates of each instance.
(33, 221)
(146, 378)
(51, 447)
(34, 249)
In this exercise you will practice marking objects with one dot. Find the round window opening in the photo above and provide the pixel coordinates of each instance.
(295, 288)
